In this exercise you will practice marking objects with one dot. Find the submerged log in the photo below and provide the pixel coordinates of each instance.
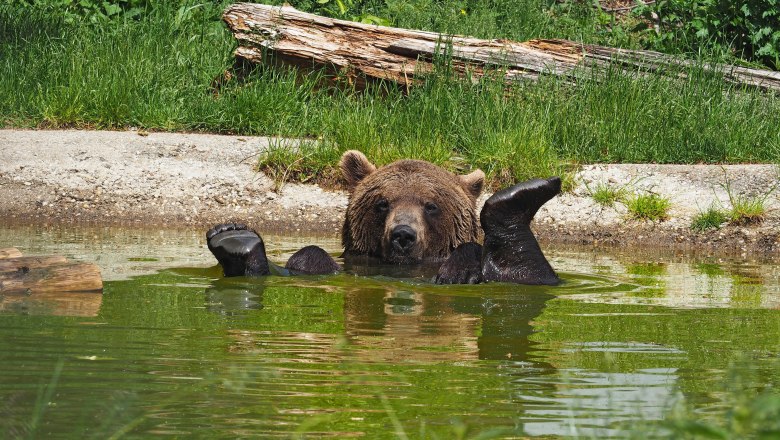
(363, 52)
(46, 274)
(14, 264)
(52, 278)
(48, 285)
(9, 253)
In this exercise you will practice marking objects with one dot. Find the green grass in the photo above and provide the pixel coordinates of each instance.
(607, 195)
(648, 207)
(155, 73)
(747, 210)
(712, 218)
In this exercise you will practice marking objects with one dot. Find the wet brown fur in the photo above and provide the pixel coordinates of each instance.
(407, 185)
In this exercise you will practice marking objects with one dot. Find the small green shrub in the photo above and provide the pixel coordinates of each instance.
(709, 219)
(747, 27)
(648, 207)
(101, 11)
(607, 195)
(287, 160)
(747, 210)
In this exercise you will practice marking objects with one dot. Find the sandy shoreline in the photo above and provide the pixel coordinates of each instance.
(171, 179)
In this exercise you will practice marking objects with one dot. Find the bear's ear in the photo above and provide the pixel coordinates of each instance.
(473, 182)
(355, 167)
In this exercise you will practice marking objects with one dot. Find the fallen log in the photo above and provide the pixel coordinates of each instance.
(48, 285)
(45, 274)
(9, 253)
(62, 277)
(14, 264)
(362, 52)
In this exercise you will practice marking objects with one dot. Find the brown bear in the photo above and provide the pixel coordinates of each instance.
(413, 212)
(408, 212)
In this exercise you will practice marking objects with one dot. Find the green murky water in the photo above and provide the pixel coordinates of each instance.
(172, 350)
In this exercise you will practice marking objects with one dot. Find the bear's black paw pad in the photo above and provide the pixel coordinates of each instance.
(239, 250)
(312, 260)
(462, 267)
(518, 203)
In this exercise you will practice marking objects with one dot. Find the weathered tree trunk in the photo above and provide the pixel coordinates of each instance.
(14, 264)
(55, 277)
(48, 285)
(9, 253)
(361, 51)
(47, 274)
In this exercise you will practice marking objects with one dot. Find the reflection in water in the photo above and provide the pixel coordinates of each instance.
(229, 300)
(52, 303)
(680, 281)
(410, 325)
(392, 323)
(599, 401)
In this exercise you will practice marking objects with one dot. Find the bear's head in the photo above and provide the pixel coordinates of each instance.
(410, 211)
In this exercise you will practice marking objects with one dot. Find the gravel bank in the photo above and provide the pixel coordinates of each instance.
(170, 179)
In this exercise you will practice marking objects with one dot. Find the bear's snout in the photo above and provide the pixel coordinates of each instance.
(403, 239)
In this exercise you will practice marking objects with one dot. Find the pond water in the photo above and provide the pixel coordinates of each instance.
(173, 350)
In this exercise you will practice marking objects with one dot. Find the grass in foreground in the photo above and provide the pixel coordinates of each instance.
(155, 73)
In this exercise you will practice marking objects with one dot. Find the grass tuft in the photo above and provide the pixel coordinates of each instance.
(712, 218)
(607, 195)
(648, 207)
(747, 210)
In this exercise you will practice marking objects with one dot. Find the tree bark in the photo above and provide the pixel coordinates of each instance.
(359, 52)
(9, 253)
(14, 264)
(59, 277)
(47, 274)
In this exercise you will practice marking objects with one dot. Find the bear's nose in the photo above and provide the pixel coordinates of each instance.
(403, 238)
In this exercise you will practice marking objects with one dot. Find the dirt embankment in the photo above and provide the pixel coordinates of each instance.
(166, 180)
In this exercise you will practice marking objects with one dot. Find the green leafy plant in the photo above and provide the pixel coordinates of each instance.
(353, 10)
(648, 207)
(95, 11)
(754, 412)
(712, 218)
(750, 28)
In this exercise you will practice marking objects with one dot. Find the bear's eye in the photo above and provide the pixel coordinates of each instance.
(431, 208)
(381, 206)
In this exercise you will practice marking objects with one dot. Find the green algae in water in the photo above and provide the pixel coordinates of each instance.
(186, 353)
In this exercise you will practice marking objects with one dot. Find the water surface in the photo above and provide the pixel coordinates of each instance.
(171, 349)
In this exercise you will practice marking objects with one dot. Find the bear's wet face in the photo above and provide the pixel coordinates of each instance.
(410, 225)
(407, 212)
